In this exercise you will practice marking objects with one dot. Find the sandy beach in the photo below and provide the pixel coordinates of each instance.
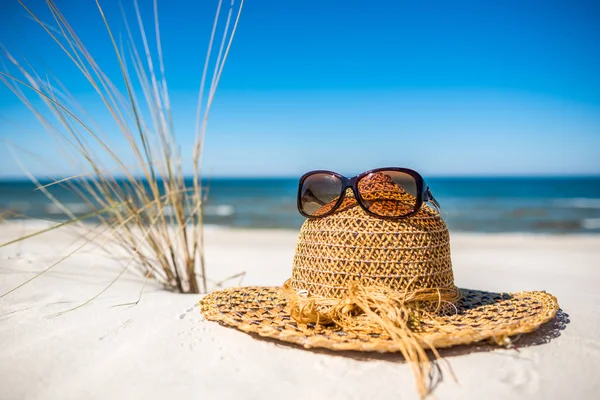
(161, 347)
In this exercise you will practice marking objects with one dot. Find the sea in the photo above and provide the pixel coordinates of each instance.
(560, 205)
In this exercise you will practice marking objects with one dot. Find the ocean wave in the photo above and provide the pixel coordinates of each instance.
(18, 206)
(168, 211)
(591, 223)
(75, 208)
(212, 211)
(579, 202)
(219, 211)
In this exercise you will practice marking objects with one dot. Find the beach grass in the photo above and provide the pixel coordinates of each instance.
(142, 201)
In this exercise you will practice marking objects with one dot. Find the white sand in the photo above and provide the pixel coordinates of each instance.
(162, 347)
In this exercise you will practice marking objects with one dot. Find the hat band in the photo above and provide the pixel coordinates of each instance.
(378, 309)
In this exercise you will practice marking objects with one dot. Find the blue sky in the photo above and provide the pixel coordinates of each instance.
(444, 87)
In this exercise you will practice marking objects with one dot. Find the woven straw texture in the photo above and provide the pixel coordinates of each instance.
(350, 249)
(480, 315)
(352, 246)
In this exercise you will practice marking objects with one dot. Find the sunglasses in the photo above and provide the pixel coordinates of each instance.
(389, 193)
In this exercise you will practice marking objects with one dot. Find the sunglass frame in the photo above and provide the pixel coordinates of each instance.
(423, 192)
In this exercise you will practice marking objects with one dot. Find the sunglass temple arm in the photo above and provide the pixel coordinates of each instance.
(429, 197)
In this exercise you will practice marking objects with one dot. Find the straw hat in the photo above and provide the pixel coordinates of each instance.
(369, 284)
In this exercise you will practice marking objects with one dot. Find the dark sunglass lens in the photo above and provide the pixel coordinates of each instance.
(388, 193)
(319, 193)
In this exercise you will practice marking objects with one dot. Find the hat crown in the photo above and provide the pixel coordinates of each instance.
(352, 246)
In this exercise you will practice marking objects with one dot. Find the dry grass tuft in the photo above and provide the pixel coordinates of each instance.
(143, 201)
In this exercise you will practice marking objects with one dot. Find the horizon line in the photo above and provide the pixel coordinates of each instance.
(275, 177)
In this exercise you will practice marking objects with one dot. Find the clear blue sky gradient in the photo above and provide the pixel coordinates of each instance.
(445, 87)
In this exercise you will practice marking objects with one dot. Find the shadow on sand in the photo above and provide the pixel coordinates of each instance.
(544, 334)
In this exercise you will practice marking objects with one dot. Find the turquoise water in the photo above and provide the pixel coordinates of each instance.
(536, 205)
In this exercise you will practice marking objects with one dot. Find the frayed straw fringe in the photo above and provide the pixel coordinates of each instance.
(372, 308)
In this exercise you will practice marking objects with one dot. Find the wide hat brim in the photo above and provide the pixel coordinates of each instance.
(478, 316)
